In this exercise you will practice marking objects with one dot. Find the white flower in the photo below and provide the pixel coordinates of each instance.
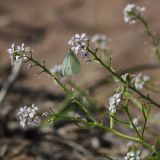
(12, 49)
(140, 80)
(27, 116)
(114, 102)
(128, 78)
(79, 44)
(131, 11)
(77, 115)
(136, 123)
(21, 48)
(18, 52)
(45, 114)
(133, 155)
(22, 122)
(100, 41)
(56, 69)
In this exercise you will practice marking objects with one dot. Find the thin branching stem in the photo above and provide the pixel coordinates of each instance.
(132, 123)
(152, 38)
(122, 135)
(115, 132)
(43, 67)
(121, 79)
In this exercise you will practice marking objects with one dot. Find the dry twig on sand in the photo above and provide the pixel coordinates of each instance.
(11, 79)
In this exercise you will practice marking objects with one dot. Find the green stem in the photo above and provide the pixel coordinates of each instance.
(145, 115)
(95, 123)
(133, 125)
(122, 135)
(147, 145)
(115, 132)
(120, 78)
(62, 86)
(151, 36)
(81, 93)
(85, 110)
(49, 73)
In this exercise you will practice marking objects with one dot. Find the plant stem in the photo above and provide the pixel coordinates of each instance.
(81, 92)
(115, 132)
(95, 123)
(49, 73)
(122, 135)
(151, 36)
(85, 110)
(133, 125)
(120, 78)
(63, 87)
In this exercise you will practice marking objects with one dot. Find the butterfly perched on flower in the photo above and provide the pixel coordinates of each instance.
(70, 65)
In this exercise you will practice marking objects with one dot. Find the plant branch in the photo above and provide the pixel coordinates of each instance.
(121, 79)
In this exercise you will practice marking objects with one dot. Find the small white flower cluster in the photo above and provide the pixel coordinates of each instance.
(114, 102)
(136, 123)
(56, 69)
(79, 44)
(27, 116)
(18, 52)
(133, 156)
(100, 41)
(45, 114)
(131, 11)
(140, 80)
(129, 78)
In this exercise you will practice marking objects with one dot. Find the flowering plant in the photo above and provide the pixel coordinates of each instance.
(124, 96)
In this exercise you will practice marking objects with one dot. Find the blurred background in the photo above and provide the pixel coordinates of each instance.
(46, 26)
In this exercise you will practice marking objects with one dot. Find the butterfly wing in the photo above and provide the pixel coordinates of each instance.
(63, 67)
(70, 65)
(74, 63)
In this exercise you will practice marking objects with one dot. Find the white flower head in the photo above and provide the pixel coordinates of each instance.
(18, 52)
(128, 78)
(114, 102)
(45, 114)
(100, 41)
(131, 11)
(140, 80)
(78, 44)
(133, 155)
(27, 116)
